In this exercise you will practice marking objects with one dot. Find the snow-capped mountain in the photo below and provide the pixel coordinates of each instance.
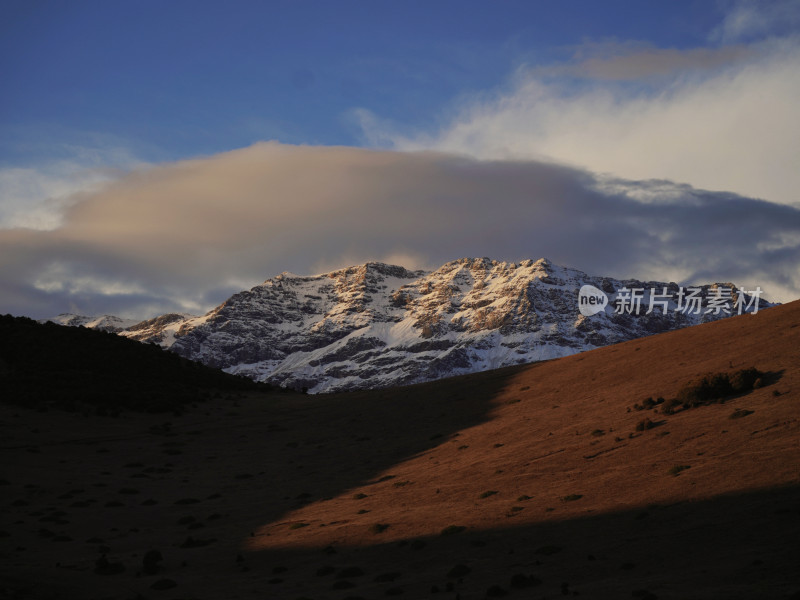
(103, 323)
(377, 325)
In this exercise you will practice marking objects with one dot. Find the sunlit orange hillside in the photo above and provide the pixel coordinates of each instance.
(541, 481)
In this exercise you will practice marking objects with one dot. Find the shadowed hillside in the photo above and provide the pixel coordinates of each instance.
(45, 365)
(540, 481)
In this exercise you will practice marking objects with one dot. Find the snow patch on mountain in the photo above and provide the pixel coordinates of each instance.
(377, 325)
(103, 323)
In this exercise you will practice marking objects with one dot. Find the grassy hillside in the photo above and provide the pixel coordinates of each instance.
(569, 478)
(45, 365)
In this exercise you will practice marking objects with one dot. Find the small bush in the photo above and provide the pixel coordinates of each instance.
(458, 571)
(102, 566)
(648, 403)
(716, 387)
(740, 412)
(378, 528)
(163, 584)
(644, 425)
(670, 406)
(520, 580)
(342, 584)
(677, 469)
(452, 529)
(571, 497)
(744, 380)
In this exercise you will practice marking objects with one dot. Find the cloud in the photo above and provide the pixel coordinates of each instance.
(718, 118)
(35, 197)
(756, 19)
(628, 61)
(185, 235)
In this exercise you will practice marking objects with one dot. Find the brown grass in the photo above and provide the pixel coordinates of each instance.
(600, 513)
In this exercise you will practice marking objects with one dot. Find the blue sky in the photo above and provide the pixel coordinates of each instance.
(175, 79)
(114, 116)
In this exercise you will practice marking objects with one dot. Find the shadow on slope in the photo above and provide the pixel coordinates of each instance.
(192, 486)
(195, 487)
(737, 546)
(74, 368)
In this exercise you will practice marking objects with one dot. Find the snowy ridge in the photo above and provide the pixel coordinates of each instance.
(103, 323)
(377, 325)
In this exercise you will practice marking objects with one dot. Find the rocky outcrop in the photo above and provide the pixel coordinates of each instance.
(377, 325)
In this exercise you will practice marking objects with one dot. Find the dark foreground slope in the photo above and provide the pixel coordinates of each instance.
(530, 482)
(43, 365)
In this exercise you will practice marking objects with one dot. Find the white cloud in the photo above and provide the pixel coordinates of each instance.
(36, 197)
(756, 19)
(731, 127)
(98, 232)
(184, 236)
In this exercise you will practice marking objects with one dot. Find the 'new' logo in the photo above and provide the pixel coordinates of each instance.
(591, 300)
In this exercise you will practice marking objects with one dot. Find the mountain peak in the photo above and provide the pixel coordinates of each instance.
(378, 324)
(101, 323)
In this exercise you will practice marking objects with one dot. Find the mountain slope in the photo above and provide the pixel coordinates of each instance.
(530, 481)
(44, 365)
(377, 325)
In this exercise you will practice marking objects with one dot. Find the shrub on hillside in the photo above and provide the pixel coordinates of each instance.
(717, 387)
(648, 403)
(670, 406)
(644, 425)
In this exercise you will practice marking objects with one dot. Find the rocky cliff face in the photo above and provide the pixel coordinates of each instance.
(377, 325)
